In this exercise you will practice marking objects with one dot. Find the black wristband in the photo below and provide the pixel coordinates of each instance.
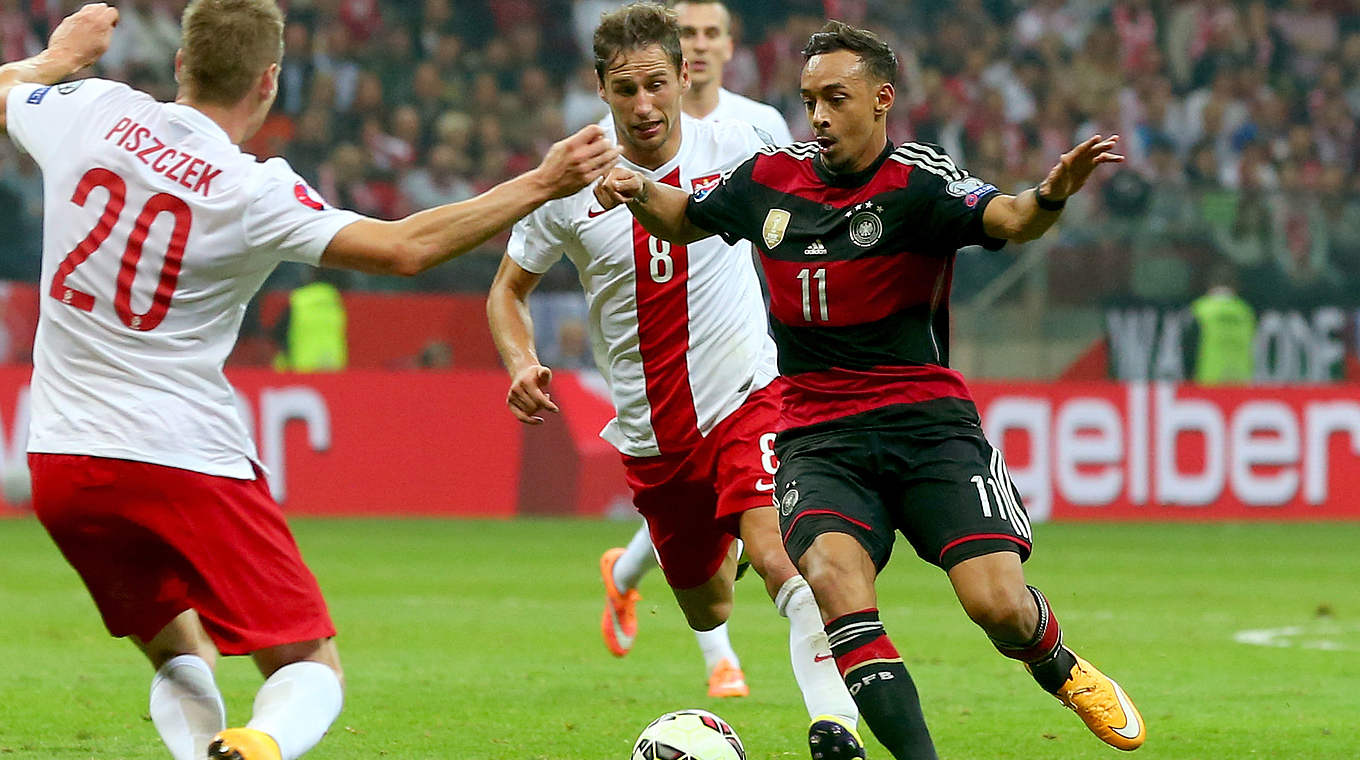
(1046, 204)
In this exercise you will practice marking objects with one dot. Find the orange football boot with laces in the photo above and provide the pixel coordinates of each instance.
(618, 624)
(1103, 706)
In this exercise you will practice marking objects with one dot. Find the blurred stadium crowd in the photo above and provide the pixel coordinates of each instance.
(1239, 117)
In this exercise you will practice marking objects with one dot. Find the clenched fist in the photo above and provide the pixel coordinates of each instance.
(621, 186)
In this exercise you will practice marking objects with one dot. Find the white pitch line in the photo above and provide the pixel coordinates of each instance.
(1323, 637)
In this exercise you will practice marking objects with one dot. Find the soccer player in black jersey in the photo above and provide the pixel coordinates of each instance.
(857, 237)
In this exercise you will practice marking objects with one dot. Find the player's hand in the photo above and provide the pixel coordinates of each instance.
(84, 35)
(528, 395)
(577, 161)
(620, 186)
(1076, 165)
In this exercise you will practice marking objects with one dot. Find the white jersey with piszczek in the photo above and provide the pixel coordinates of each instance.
(734, 107)
(679, 332)
(157, 231)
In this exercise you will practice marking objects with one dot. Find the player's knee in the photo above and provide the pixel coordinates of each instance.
(830, 572)
(771, 562)
(706, 617)
(1000, 611)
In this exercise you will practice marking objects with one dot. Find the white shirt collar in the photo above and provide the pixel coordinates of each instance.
(196, 120)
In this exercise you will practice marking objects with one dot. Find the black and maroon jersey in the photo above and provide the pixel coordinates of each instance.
(859, 269)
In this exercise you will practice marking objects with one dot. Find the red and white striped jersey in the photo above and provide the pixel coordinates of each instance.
(157, 231)
(679, 332)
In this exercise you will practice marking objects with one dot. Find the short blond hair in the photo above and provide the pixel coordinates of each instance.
(227, 45)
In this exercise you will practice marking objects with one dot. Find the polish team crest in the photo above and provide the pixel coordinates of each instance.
(700, 187)
(307, 197)
(773, 230)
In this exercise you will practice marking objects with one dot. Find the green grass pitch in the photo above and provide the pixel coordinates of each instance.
(479, 640)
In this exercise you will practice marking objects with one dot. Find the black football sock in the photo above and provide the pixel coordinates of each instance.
(880, 685)
(1049, 661)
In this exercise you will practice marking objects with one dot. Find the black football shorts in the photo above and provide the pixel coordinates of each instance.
(948, 492)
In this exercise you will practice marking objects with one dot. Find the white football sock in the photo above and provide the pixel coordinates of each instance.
(297, 705)
(636, 561)
(814, 668)
(186, 706)
(716, 647)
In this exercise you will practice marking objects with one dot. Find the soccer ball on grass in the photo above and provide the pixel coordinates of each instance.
(688, 735)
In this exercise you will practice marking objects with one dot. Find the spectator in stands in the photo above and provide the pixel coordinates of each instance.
(311, 144)
(573, 346)
(1283, 75)
(146, 37)
(437, 182)
(297, 69)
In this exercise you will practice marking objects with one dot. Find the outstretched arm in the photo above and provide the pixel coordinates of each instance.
(77, 42)
(1023, 217)
(428, 238)
(657, 207)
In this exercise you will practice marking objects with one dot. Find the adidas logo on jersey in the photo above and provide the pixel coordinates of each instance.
(816, 249)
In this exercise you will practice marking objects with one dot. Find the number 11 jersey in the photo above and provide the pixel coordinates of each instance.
(157, 231)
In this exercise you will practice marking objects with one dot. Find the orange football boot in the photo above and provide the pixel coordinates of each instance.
(1103, 706)
(618, 624)
(243, 744)
(727, 680)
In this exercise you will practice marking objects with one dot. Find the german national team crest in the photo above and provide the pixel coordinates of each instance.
(865, 225)
(789, 501)
(775, 223)
(700, 187)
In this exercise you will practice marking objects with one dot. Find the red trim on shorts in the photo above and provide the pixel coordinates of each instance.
(880, 648)
(824, 395)
(824, 512)
(1028, 546)
(663, 338)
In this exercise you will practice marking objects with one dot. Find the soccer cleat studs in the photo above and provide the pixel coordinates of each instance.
(831, 737)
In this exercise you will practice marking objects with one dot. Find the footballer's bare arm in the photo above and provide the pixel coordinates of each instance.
(77, 42)
(1026, 216)
(507, 309)
(659, 208)
(428, 238)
